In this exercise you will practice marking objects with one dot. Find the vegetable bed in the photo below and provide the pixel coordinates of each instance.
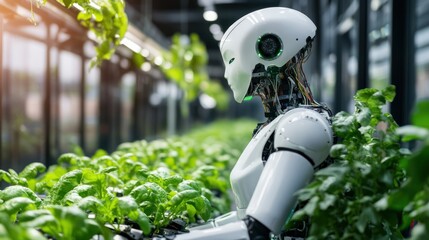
(143, 189)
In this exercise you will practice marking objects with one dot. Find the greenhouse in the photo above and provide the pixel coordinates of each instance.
(214, 119)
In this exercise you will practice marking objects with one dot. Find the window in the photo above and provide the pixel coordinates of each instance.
(69, 97)
(422, 50)
(24, 76)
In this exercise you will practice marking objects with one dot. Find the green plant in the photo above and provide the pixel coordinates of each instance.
(61, 222)
(106, 19)
(343, 201)
(186, 66)
(27, 177)
(413, 196)
(11, 231)
(146, 184)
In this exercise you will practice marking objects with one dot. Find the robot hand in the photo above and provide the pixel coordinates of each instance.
(217, 222)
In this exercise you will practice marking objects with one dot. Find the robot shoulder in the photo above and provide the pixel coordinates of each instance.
(306, 132)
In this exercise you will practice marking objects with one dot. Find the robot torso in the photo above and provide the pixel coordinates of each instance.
(302, 130)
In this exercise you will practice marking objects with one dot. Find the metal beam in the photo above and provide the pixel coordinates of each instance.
(402, 68)
(82, 97)
(318, 49)
(195, 16)
(338, 66)
(56, 107)
(47, 99)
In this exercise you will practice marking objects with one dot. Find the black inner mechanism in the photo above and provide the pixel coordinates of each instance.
(269, 46)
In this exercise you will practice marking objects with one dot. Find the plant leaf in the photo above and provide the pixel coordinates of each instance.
(16, 205)
(183, 196)
(389, 92)
(32, 170)
(90, 203)
(19, 191)
(67, 3)
(142, 220)
(420, 115)
(65, 184)
(410, 133)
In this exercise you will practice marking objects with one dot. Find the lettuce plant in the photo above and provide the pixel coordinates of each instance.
(146, 185)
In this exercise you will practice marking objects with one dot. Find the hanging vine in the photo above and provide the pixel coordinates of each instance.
(106, 19)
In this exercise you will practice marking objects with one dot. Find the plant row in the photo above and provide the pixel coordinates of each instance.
(153, 187)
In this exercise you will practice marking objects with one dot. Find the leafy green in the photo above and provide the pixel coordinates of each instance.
(66, 183)
(63, 222)
(11, 231)
(148, 183)
(420, 117)
(127, 206)
(187, 67)
(32, 170)
(12, 177)
(15, 205)
(106, 19)
(413, 196)
(343, 201)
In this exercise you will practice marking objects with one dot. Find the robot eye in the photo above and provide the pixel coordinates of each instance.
(269, 46)
(231, 60)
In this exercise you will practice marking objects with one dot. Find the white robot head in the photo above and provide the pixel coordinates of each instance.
(270, 36)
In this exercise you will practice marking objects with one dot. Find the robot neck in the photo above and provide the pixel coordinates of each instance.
(279, 100)
(277, 90)
(277, 105)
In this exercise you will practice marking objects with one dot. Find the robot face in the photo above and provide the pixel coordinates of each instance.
(270, 36)
(237, 78)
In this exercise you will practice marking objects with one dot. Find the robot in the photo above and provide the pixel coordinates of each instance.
(263, 53)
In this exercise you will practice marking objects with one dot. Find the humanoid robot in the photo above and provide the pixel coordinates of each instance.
(263, 53)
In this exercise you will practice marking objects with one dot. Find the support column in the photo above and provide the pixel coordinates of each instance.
(339, 64)
(318, 53)
(56, 85)
(47, 100)
(402, 68)
(82, 83)
(171, 110)
(105, 100)
(362, 75)
(1, 92)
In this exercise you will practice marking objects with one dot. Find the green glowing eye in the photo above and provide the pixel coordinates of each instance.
(248, 98)
(269, 46)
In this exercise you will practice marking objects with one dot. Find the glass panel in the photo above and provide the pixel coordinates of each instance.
(92, 96)
(128, 84)
(24, 75)
(69, 79)
(349, 30)
(379, 43)
(328, 40)
(422, 50)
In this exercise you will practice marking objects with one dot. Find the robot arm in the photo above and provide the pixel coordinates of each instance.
(302, 141)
